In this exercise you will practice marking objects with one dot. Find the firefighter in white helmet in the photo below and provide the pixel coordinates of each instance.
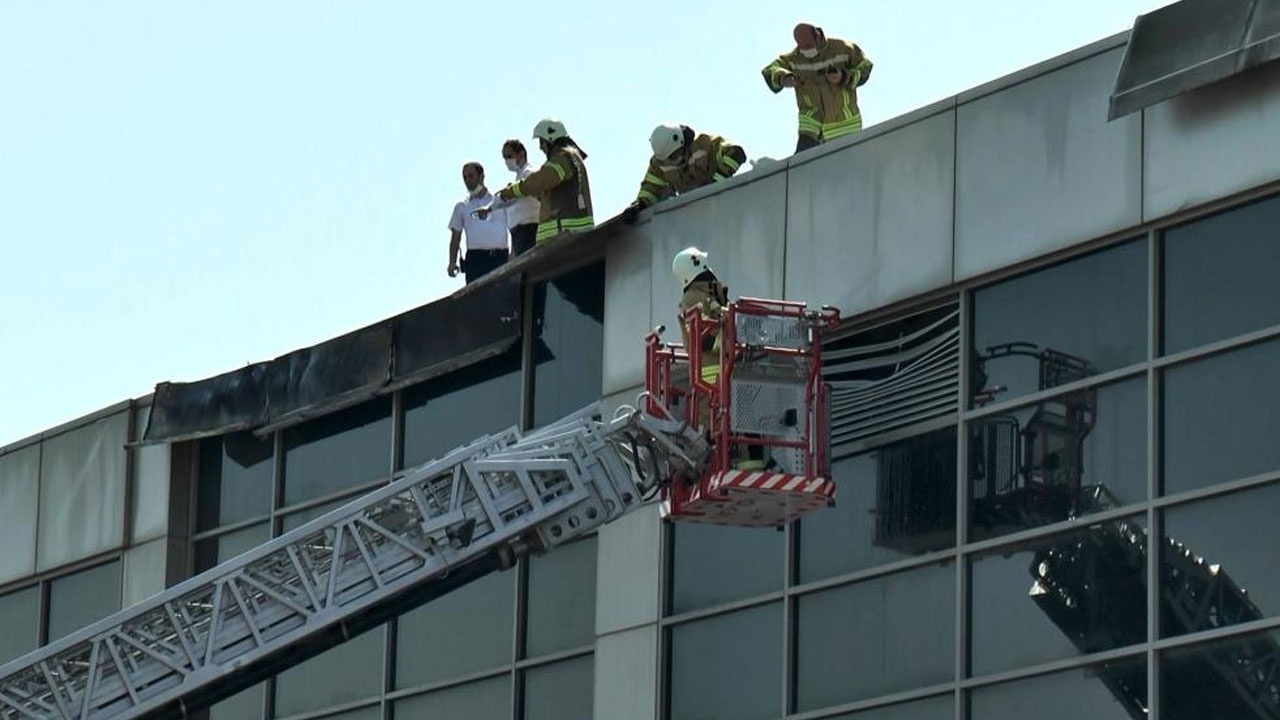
(683, 160)
(560, 185)
(701, 288)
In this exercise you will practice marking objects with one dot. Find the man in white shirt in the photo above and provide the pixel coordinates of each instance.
(486, 239)
(522, 214)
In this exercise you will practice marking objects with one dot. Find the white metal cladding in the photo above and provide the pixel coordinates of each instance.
(880, 385)
(501, 492)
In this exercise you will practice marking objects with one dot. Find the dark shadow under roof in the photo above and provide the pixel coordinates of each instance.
(477, 322)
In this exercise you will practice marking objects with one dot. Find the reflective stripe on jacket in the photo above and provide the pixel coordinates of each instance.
(709, 158)
(827, 111)
(563, 192)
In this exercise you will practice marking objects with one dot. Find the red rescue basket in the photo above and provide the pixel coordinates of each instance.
(763, 407)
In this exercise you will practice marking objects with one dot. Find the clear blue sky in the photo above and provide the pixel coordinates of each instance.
(187, 187)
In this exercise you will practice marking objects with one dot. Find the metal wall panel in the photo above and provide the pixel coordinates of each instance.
(150, 486)
(626, 675)
(1039, 168)
(627, 317)
(1212, 142)
(742, 229)
(627, 571)
(143, 571)
(82, 491)
(872, 224)
(19, 483)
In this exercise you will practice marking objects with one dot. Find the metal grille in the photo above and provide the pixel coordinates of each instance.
(763, 407)
(773, 331)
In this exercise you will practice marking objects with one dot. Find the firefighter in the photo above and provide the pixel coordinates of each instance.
(560, 185)
(683, 160)
(825, 74)
(701, 288)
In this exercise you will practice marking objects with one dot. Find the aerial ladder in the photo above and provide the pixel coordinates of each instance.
(474, 511)
(1093, 585)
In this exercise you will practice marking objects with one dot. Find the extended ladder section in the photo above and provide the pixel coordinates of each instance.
(442, 524)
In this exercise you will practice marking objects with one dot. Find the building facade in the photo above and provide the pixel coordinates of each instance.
(1053, 404)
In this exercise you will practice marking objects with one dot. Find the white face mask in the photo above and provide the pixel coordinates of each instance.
(810, 53)
(512, 165)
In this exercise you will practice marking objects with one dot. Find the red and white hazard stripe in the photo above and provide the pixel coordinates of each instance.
(773, 482)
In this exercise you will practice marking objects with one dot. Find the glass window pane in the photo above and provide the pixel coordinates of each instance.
(562, 691)
(348, 448)
(82, 492)
(19, 622)
(562, 598)
(348, 672)
(712, 565)
(1231, 258)
(484, 700)
(235, 479)
(876, 637)
(1223, 680)
(454, 410)
(372, 712)
(935, 708)
(83, 598)
(20, 498)
(465, 631)
(1107, 691)
(150, 484)
(891, 504)
(748, 689)
(1082, 317)
(1077, 454)
(568, 343)
(1218, 563)
(229, 545)
(1220, 416)
(1069, 594)
(244, 705)
(296, 520)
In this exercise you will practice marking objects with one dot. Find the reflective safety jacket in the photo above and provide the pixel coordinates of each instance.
(827, 111)
(708, 158)
(707, 293)
(563, 191)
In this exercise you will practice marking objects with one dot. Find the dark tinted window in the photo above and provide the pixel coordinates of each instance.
(568, 343)
(1076, 454)
(348, 672)
(1220, 417)
(1222, 680)
(562, 599)
(1219, 276)
(338, 451)
(1070, 321)
(235, 479)
(456, 409)
(83, 598)
(876, 637)
(19, 622)
(1218, 565)
(561, 691)
(482, 700)
(749, 643)
(891, 504)
(1070, 594)
(1108, 691)
(712, 564)
(467, 630)
(934, 708)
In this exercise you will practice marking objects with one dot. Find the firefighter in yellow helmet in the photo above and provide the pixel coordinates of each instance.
(683, 160)
(560, 185)
(825, 74)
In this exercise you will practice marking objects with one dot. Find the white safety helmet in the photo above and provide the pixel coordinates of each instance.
(666, 140)
(549, 129)
(688, 264)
